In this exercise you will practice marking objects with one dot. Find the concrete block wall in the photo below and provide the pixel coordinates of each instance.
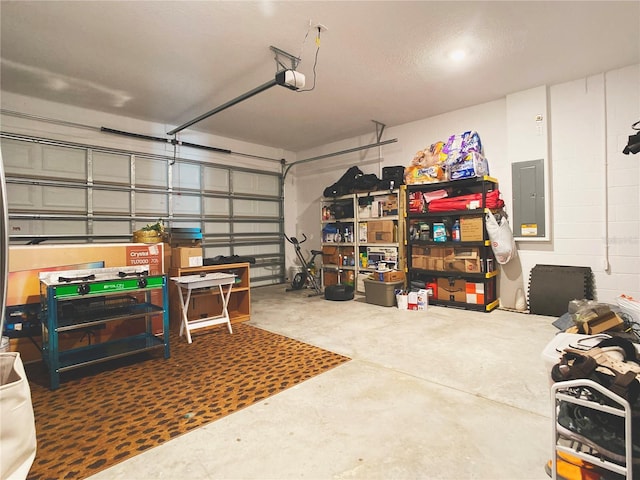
(594, 188)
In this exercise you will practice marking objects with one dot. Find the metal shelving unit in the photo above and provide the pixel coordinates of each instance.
(75, 300)
(485, 269)
(345, 255)
(565, 392)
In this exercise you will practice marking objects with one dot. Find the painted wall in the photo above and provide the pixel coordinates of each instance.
(594, 188)
(83, 127)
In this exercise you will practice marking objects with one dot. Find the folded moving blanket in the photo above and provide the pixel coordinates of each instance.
(222, 260)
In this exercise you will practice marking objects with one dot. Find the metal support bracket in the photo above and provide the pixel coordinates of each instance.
(379, 129)
(281, 53)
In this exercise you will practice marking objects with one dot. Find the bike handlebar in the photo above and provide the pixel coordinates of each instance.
(294, 240)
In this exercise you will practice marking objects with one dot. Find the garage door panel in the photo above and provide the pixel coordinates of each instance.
(64, 199)
(256, 208)
(273, 271)
(215, 179)
(111, 168)
(261, 249)
(211, 252)
(23, 197)
(216, 206)
(24, 227)
(48, 227)
(20, 158)
(63, 162)
(151, 203)
(64, 227)
(256, 227)
(149, 172)
(186, 205)
(216, 227)
(105, 227)
(47, 198)
(187, 176)
(257, 184)
(105, 201)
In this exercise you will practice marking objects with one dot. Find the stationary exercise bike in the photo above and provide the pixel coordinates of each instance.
(310, 275)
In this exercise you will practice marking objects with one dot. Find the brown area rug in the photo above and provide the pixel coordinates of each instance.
(103, 415)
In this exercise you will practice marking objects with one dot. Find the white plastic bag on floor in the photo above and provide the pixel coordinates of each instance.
(501, 237)
(17, 424)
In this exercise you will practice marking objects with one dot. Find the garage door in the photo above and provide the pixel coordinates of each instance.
(64, 193)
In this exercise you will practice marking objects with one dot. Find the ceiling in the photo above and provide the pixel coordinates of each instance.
(388, 61)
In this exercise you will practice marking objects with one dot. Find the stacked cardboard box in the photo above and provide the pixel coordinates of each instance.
(380, 231)
(389, 205)
(186, 247)
(186, 257)
(462, 260)
(475, 292)
(453, 290)
(471, 229)
(390, 276)
(447, 259)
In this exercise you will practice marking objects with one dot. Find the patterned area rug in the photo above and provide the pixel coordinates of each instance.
(103, 415)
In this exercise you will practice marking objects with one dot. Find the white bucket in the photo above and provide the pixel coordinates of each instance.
(4, 344)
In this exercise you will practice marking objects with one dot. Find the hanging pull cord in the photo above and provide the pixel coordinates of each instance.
(315, 63)
(175, 149)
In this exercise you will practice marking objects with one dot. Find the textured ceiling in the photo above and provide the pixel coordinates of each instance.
(171, 61)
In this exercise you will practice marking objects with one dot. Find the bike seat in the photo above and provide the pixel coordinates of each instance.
(316, 252)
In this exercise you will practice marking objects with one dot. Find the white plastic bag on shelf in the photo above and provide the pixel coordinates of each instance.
(629, 306)
(501, 237)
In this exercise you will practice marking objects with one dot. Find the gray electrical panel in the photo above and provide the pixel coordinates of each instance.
(527, 179)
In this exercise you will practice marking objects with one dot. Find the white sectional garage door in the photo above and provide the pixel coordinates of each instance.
(64, 193)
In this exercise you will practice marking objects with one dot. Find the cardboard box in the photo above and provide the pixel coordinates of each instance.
(380, 231)
(423, 299)
(27, 261)
(471, 229)
(412, 299)
(392, 276)
(450, 289)
(473, 266)
(389, 205)
(417, 250)
(609, 321)
(437, 252)
(459, 265)
(430, 258)
(475, 293)
(186, 257)
(330, 255)
(453, 265)
(420, 261)
(463, 260)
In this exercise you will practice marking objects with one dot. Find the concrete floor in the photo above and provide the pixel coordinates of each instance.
(441, 394)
